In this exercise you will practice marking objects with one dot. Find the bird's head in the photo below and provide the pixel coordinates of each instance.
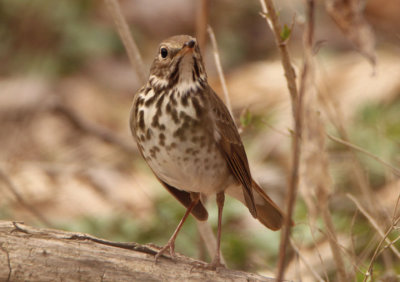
(178, 63)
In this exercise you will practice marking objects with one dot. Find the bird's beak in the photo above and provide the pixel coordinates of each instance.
(190, 44)
(188, 47)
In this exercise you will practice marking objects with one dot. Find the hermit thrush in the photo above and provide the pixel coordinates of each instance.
(190, 141)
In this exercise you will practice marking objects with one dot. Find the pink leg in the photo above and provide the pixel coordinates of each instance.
(171, 242)
(216, 262)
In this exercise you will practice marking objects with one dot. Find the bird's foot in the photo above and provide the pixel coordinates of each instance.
(169, 246)
(215, 264)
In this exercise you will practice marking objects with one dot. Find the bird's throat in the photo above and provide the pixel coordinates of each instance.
(187, 82)
(186, 69)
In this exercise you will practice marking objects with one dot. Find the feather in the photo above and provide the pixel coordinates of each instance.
(231, 147)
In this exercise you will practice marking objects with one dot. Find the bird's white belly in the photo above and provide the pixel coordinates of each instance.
(191, 163)
(191, 174)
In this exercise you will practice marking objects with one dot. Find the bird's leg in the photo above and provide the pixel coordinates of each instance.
(216, 262)
(195, 197)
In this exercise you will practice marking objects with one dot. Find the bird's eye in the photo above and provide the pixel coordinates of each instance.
(164, 52)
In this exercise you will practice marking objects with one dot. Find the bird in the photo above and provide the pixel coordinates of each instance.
(190, 141)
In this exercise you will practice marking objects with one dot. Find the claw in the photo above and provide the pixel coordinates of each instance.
(215, 264)
(171, 246)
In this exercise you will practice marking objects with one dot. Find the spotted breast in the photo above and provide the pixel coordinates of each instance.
(174, 136)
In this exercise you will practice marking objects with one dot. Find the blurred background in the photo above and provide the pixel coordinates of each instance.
(67, 159)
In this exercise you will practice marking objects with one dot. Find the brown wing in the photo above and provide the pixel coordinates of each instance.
(230, 144)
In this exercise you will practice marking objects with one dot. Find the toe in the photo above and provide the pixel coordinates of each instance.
(169, 246)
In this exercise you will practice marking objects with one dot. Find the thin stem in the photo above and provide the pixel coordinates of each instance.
(219, 68)
(378, 250)
(333, 241)
(375, 224)
(271, 17)
(87, 127)
(395, 170)
(304, 260)
(272, 20)
(126, 37)
(10, 185)
(203, 10)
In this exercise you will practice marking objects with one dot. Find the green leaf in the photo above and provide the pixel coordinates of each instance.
(246, 118)
(285, 33)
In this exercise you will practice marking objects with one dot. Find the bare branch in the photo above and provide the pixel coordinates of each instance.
(333, 110)
(314, 273)
(312, 231)
(219, 68)
(203, 11)
(130, 45)
(10, 185)
(100, 132)
(378, 249)
(395, 210)
(395, 170)
(374, 224)
(271, 17)
(333, 241)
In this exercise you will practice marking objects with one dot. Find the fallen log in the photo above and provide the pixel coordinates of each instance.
(36, 254)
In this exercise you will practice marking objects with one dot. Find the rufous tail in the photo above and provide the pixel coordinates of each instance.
(268, 213)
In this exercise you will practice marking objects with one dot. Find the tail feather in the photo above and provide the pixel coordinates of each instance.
(268, 213)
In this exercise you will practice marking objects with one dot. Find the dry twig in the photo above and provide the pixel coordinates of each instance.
(304, 260)
(378, 249)
(271, 17)
(312, 232)
(395, 170)
(375, 224)
(129, 43)
(332, 108)
(10, 185)
(316, 165)
(85, 126)
(203, 10)
(219, 68)
(395, 210)
(333, 242)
